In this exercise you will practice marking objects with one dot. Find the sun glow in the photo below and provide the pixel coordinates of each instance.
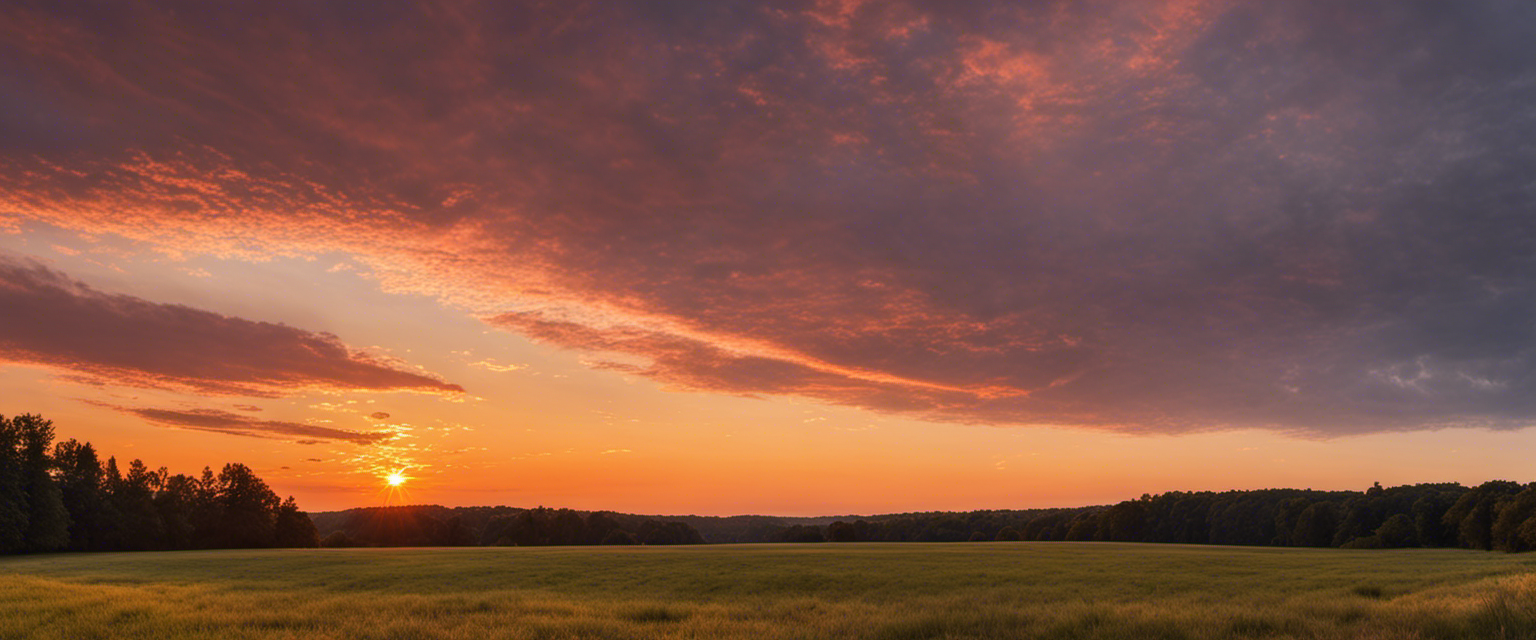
(394, 487)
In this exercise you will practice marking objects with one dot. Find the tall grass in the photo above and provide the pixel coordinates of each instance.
(887, 592)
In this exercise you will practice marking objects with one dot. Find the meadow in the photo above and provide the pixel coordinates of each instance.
(877, 591)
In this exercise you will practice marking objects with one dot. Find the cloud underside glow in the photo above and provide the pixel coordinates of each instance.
(98, 338)
(216, 421)
(1149, 217)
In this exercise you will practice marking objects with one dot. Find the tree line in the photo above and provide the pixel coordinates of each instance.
(1497, 515)
(435, 526)
(61, 496)
(58, 497)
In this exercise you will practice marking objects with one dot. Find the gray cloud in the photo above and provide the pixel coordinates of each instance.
(1152, 216)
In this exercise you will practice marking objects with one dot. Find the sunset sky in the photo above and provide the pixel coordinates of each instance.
(795, 258)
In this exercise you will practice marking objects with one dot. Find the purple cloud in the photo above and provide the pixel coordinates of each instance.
(1150, 216)
(218, 421)
(59, 322)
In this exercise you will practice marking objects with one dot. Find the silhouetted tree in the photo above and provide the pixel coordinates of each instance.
(338, 539)
(495, 531)
(841, 532)
(863, 530)
(799, 533)
(13, 493)
(78, 474)
(1397, 531)
(946, 529)
(1084, 527)
(1179, 517)
(1316, 525)
(1512, 513)
(176, 505)
(1286, 515)
(567, 527)
(529, 528)
(455, 532)
(599, 527)
(1047, 528)
(1246, 517)
(47, 519)
(112, 533)
(247, 508)
(138, 526)
(1123, 522)
(619, 536)
(1473, 514)
(32, 514)
(292, 528)
(657, 532)
(207, 510)
(1428, 513)
(61, 496)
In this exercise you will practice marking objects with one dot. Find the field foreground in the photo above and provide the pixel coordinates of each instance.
(881, 591)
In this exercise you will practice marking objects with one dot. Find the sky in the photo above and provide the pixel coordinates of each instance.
(798, 258)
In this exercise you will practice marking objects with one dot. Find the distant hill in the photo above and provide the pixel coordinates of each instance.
(1494, 515)
(418, 525)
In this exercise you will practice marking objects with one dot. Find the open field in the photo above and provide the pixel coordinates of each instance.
(880, 591)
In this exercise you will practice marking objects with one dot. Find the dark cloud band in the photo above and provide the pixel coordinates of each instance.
(1150, 216)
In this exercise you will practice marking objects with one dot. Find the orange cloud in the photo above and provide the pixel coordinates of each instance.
(1139, 216)
(217, 421)
(54, 321)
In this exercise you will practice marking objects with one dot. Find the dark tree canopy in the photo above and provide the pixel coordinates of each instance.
(1501, 515)
(63, 497)
(56, 497)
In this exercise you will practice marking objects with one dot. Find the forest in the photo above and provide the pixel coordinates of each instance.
(62, 497)
(434, 526)
(1497, 515)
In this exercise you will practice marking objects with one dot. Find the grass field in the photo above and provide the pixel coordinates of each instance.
(880, 591)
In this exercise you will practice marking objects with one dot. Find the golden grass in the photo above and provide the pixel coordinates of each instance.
(877, 591)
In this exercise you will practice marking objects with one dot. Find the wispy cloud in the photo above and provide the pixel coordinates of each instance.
(492, 365)
(218, 421)
(53, 320)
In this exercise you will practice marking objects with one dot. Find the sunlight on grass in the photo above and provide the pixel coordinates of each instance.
(877, 591)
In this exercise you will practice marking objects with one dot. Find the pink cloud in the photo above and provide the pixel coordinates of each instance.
(697, 365)
(55, 321)
(217, 421)
(1144, 216)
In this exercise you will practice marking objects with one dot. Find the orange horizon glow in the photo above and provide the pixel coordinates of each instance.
(845, 258)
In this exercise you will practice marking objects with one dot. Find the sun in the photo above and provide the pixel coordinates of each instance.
(393, 490)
